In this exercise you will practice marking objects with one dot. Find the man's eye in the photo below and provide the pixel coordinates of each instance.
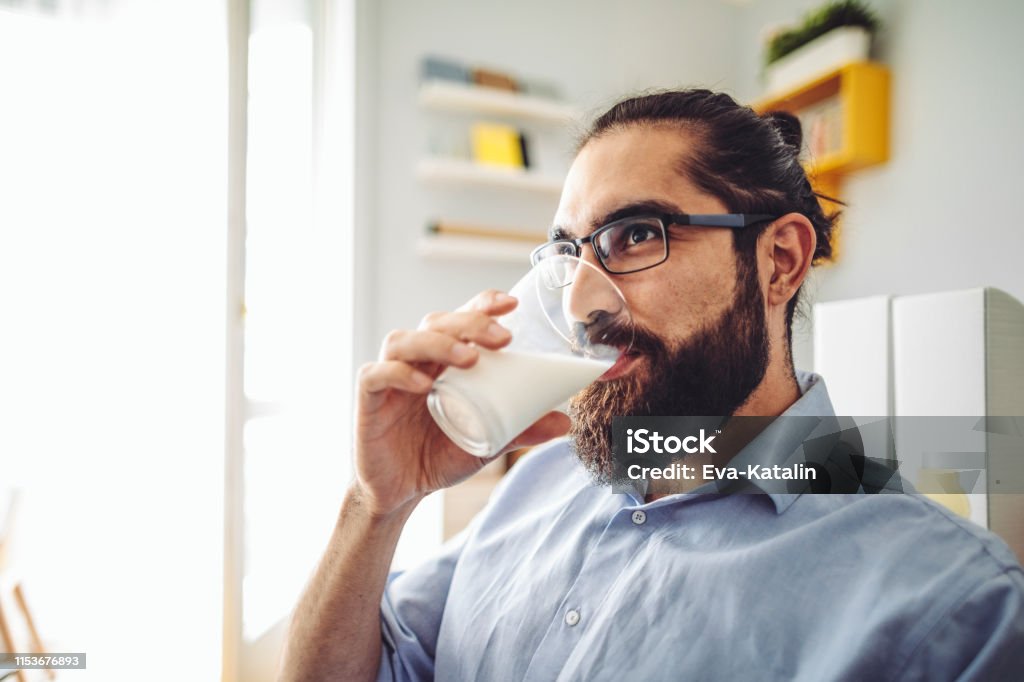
(637, 234)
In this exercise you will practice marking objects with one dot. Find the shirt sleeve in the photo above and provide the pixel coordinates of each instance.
(410, 614)
(414, 601)
(981, 638)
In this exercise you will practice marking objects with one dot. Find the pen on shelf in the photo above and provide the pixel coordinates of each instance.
(464, 230)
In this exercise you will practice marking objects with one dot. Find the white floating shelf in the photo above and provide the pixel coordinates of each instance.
(451, 96)
(481, 249)
(459, 172)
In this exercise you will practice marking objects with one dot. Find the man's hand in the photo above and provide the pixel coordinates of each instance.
(400, 456)
(400, 453)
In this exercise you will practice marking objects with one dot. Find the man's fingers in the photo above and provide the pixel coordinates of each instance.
(375, 377)
(490, 302)
(427, 346)
(468, 326)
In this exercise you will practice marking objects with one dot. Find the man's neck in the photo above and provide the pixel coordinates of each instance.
(775, 394)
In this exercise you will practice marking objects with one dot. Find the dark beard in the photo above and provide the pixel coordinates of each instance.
(711, 374)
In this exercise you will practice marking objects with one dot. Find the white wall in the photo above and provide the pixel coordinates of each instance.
(942, 213)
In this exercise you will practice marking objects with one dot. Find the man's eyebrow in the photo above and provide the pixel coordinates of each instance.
(635, 208)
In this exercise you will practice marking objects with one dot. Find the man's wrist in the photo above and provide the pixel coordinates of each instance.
(362, 503)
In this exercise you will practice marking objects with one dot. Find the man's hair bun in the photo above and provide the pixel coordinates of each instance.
(789, 127)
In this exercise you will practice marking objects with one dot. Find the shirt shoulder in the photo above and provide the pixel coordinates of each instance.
(915, 581)
(895, 519)
(544, 471)
(974, 628)
(979, 637)
(543, 482)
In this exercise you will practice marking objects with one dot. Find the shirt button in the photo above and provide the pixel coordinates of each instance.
(639, 516)
(572, 617)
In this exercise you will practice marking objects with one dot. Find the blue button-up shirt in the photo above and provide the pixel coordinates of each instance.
(559, 579)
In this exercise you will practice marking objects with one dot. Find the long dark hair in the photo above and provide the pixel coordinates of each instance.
(750, 162)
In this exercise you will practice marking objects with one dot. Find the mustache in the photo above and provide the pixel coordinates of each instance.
(633, 338)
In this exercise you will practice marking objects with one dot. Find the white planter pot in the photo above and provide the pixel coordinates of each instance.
(823, 54)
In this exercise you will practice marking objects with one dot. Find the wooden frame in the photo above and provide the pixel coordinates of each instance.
(7, 637)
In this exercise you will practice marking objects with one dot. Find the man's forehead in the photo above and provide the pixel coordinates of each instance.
(623, 170)
(616, 211)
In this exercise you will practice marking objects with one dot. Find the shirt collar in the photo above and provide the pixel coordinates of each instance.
(810, 418)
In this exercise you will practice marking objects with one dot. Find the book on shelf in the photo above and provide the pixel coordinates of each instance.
(494, 79)
(439, 68)
(822, 123)
(434, 67)
(496, 144)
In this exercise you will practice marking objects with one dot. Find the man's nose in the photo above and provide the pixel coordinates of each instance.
(592, 296)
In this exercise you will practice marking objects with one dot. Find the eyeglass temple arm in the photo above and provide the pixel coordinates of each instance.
(721, 219)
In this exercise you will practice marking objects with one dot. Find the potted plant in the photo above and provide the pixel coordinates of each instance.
(830, 36)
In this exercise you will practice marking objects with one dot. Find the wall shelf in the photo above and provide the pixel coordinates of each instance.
(854, 133)
(441, 95)
(460, 172)
(476, 241)
(862, 92)
(481, 249)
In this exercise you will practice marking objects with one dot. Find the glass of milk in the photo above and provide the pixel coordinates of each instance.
(569, 328)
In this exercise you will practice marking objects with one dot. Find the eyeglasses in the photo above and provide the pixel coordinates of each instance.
(640, 242)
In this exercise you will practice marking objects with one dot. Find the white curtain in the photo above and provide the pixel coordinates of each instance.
(298, 334)
(113, 156)
(113, 290)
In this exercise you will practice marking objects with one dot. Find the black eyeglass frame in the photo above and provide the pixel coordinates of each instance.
(736, 221)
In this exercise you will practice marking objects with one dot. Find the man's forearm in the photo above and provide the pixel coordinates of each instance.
(335, 630)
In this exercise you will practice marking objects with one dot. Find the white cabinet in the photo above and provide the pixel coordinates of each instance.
(960, 354)
(946, 366)
(852, 352)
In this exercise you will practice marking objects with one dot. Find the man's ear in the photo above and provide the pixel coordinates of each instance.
(788, 247)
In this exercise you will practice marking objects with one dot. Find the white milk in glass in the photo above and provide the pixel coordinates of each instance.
(506, 391)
